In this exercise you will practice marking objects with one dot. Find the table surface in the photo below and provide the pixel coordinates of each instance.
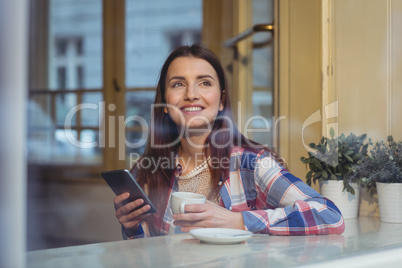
(366, 242)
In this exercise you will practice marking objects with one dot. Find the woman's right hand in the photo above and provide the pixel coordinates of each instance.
(128, 215)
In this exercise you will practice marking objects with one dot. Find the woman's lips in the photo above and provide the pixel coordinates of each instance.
(191, 109)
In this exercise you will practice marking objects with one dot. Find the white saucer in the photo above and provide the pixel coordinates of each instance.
(220, 235)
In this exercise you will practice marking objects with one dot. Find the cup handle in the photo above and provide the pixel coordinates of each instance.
(181, 208)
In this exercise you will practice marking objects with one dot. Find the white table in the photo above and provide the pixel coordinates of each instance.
(367, 242)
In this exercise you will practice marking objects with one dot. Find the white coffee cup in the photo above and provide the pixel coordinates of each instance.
(180, 199)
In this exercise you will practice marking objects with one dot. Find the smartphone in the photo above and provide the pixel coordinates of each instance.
(121, 181)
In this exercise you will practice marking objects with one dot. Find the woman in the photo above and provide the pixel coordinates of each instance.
(246, 184)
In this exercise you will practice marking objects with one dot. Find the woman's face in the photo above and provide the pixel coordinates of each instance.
(193, 94)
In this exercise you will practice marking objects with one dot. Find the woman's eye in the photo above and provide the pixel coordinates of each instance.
(206, 83)
(178, 84)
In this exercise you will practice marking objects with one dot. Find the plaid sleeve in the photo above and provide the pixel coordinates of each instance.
(139, 234)
(285, 205)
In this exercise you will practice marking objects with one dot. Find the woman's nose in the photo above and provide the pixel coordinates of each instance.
(191, 93)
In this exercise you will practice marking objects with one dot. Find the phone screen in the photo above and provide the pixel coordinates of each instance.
(121, 181)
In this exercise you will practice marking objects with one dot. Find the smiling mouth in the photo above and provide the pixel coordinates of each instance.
(192, 109)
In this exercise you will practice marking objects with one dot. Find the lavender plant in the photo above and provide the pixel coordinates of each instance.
(383, 165)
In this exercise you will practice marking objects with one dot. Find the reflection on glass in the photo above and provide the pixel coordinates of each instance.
(153, 28)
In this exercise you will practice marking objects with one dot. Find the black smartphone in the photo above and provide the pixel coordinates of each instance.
(121, 181)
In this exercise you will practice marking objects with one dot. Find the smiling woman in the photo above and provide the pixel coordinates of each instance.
(246, 184)
(195, 94)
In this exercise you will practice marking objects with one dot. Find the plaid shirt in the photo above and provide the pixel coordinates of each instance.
(271, 199)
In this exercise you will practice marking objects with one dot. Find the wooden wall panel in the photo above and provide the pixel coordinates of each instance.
(300, 79)
(367, 62)
(360, 53)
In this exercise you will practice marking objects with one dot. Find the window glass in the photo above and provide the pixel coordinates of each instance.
(91, 112)
(39, 115)
(138, 111)
(136, 145)
(89, 152)
(263, 71)
(75, 40)
(64, 103)
(39, 145)
(153, 28)
(139, 103)
(65, 62)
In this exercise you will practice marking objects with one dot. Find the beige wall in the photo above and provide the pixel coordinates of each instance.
(300, 78)
(367, 53)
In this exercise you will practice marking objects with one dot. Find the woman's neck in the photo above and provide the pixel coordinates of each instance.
(192, 146)
(191, 152)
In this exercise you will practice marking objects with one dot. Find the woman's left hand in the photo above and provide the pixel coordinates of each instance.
(208, 215)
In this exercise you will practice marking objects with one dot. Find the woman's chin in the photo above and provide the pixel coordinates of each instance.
(195, 128)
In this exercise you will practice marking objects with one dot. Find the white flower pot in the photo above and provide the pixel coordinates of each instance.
(390, 201)
(347, 203)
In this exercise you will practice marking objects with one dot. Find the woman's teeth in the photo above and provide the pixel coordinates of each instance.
(192, 109)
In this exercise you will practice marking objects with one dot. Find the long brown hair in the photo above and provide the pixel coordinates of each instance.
(163, 131)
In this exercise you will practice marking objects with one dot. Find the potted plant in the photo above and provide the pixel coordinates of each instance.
(382, 173)
(333, 163)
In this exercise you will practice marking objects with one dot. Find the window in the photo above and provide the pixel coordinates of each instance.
(263, 74)
(66, 71)
(71, 109)
(68, 60)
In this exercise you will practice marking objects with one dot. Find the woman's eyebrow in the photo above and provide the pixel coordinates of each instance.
(177, 77)
(198, 77)
(205, 76)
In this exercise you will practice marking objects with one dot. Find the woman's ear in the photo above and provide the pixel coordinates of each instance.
(221, 106)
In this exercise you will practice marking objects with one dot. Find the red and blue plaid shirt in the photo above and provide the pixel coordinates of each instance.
(271, 199)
